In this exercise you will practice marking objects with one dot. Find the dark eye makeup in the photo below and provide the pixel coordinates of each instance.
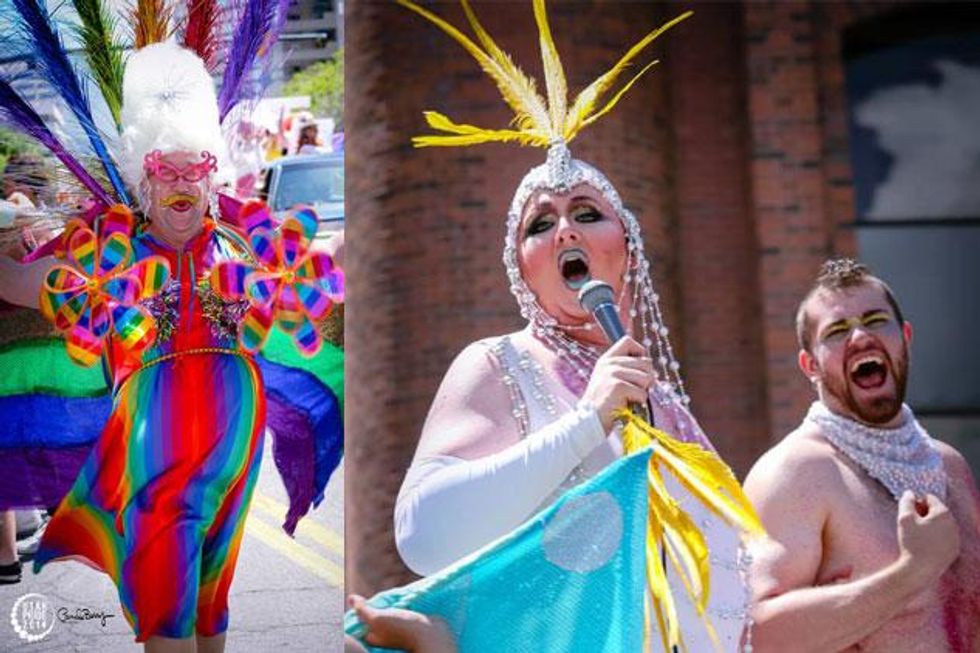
(583, 214)
(587, 214)
(540, 224)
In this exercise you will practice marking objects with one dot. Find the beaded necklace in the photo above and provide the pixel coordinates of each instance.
(902, 458)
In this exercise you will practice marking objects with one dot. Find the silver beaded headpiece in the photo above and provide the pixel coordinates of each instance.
(561, 173)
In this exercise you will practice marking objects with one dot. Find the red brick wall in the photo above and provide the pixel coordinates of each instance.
(788, 183)
(800, 169)
(723, 360)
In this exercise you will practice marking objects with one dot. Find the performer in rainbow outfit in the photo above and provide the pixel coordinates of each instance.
(176, 307)
(533, 529)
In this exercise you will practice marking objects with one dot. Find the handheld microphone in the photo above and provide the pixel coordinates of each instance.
(597, 298)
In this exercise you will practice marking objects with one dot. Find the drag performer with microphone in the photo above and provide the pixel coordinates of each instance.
(519, 502)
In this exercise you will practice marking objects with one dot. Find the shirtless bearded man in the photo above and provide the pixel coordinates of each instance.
(874, 528)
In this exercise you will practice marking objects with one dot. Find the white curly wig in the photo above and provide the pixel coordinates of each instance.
(169, 104)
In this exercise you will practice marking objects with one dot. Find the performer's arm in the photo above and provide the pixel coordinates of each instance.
(20, 283)
(474, 479)
(790, 612)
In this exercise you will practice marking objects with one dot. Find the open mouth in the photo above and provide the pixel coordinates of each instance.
(869, 371)
(574, 268)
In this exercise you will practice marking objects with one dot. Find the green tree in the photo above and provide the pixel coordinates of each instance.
(12, 143)
(324, 83)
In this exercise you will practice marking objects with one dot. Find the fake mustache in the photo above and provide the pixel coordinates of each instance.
(170, 200)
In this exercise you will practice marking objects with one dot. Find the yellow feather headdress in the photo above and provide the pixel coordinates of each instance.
(537, 121)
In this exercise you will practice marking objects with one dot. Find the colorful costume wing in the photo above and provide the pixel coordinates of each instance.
(305, 413)
(53, 410)
(304, 391)
(573, 578)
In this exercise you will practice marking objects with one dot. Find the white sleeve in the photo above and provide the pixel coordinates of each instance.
(449, 507)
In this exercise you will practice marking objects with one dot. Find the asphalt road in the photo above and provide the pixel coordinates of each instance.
(287, 594)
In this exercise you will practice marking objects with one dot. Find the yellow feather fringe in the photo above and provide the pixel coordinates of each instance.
(534, 115)
(468, 134)
(583, 108)
(671, 530)
(554, 74)
(538, 122)
(515, 87)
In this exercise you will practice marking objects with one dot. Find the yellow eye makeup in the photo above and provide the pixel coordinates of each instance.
(839, 330)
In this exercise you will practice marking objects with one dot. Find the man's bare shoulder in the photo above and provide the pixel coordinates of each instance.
(954, 462)
(803, 450)
(962, 484)
(802, 465)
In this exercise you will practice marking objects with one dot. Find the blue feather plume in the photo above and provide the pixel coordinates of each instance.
(38, 30)
(256, 32)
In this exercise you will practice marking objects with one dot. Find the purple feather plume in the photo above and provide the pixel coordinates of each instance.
(280, 22)
(39, 31)
(256, 33)
(20, 115)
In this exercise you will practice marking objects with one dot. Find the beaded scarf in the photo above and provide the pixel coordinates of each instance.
(902, 458)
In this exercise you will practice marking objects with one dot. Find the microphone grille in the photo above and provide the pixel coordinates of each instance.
(595, 293)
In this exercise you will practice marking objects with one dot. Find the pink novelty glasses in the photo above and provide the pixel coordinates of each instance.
(153, 164)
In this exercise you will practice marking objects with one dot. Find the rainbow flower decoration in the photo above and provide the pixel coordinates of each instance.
(288, 285)
(97, 293)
